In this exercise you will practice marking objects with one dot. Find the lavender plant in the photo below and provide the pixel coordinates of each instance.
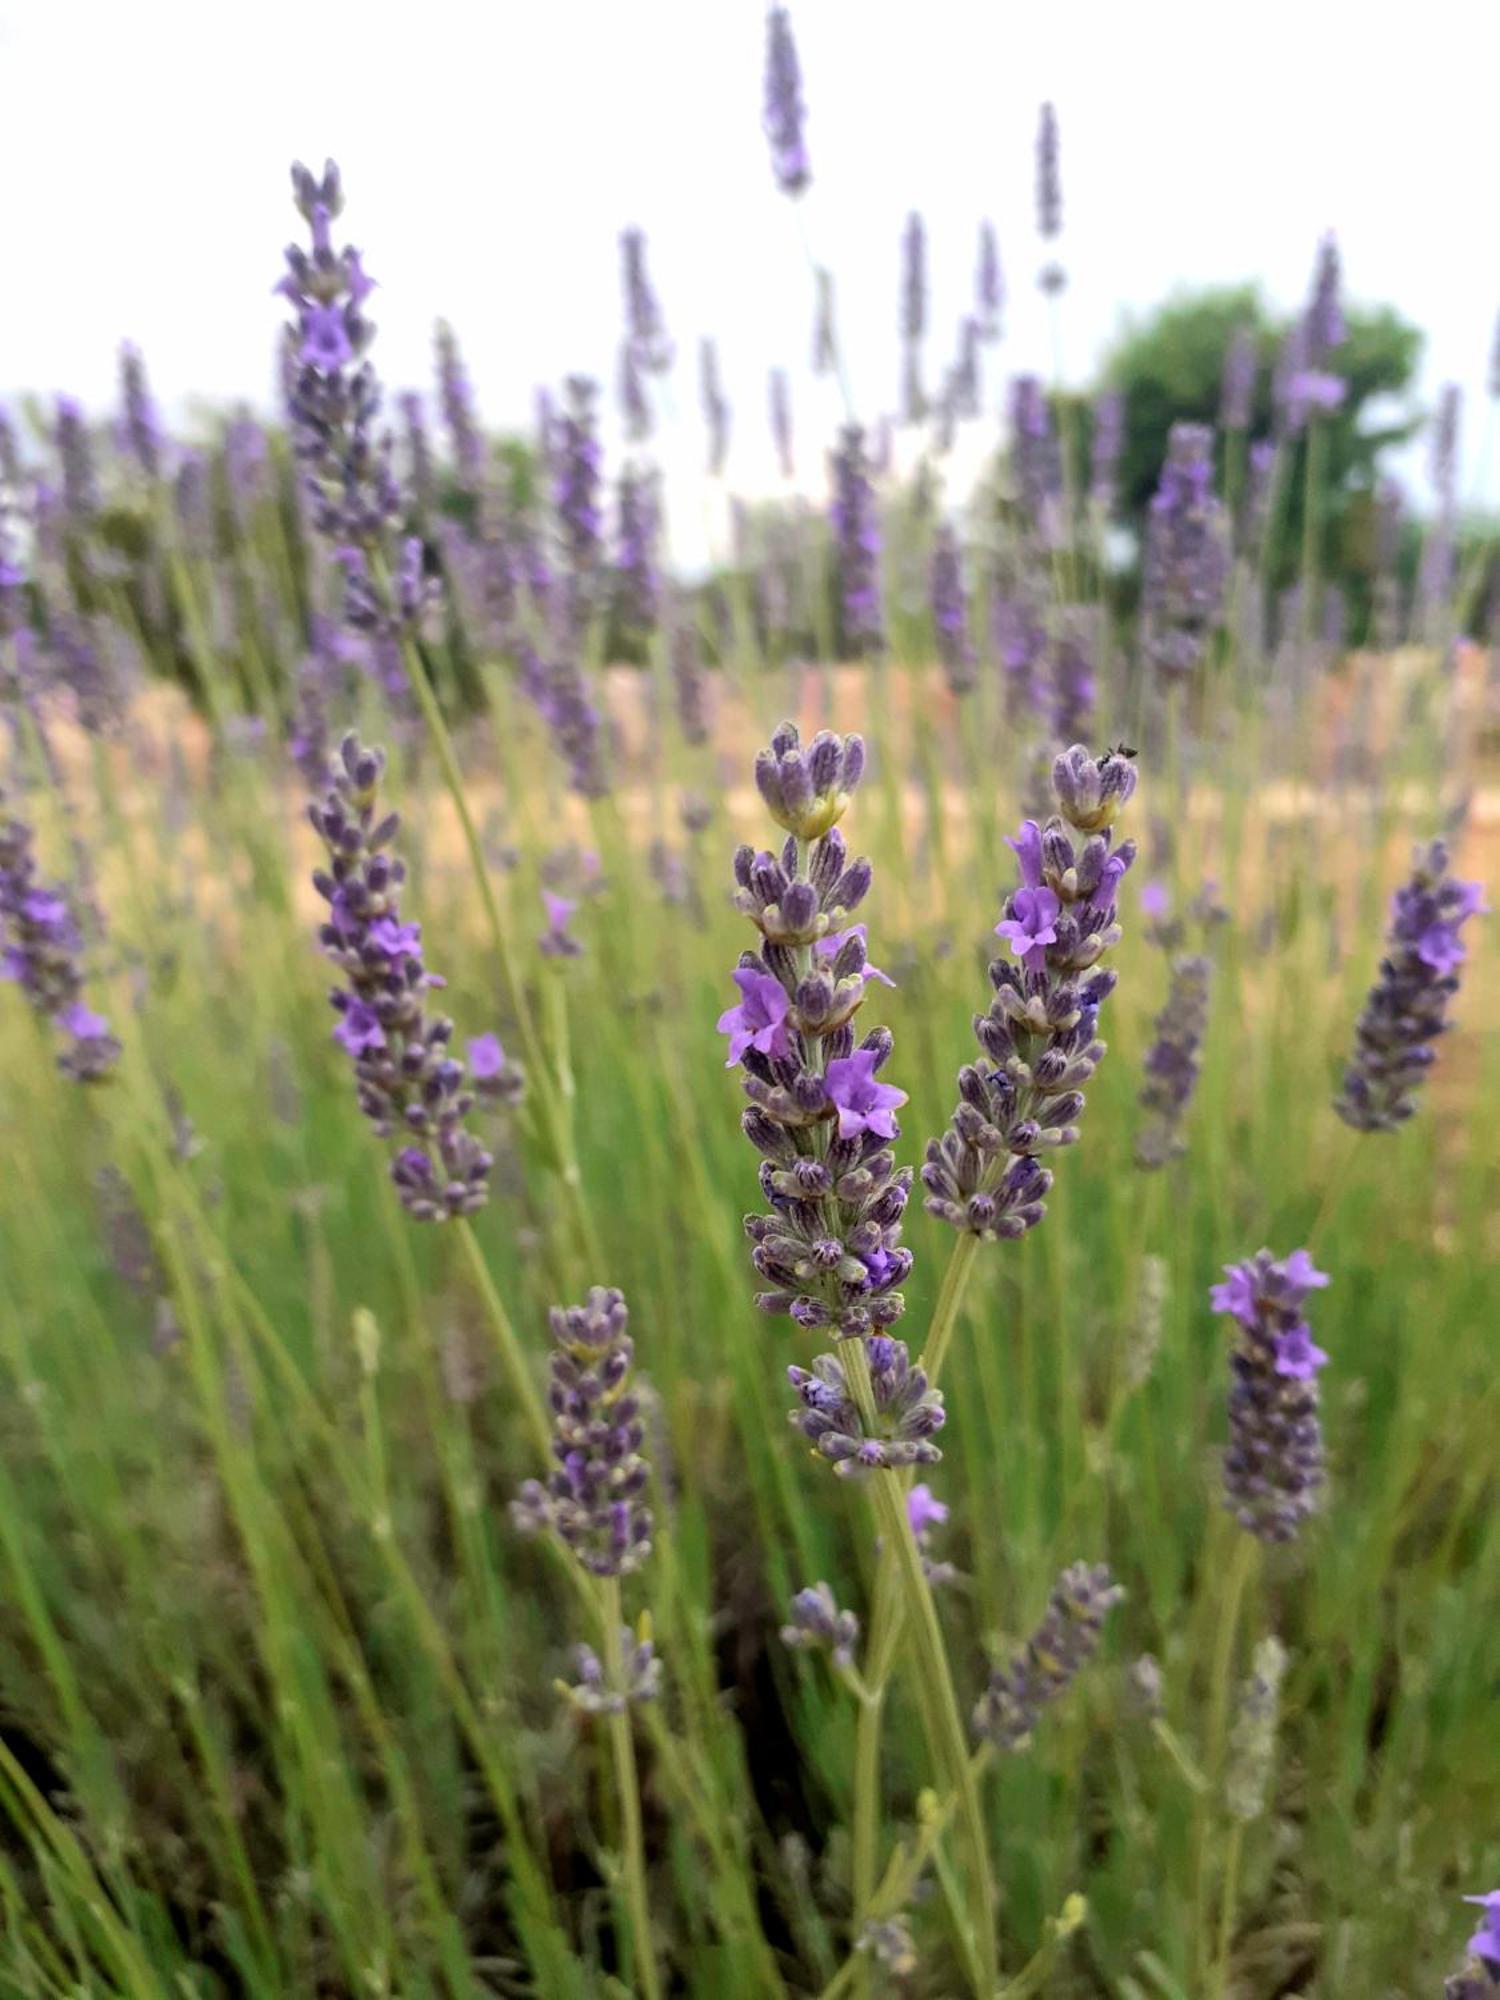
(42, 949)
(1273, 1466)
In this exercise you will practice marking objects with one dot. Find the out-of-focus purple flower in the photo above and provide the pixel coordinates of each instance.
(1186, 564)
(863, 1103)
(41, 950)
(913, 316)
(1174, 1059)
(140, 420)
(1074, 648)
(781, 420)
(419, 469)
(989, 284)
(855, 518)
(594, 1500)
(557, 941)
(644, 326)
(815, 1624)
(784, 117)
(635, 404)
(456, 400)
(924, 1510)
(715, 406)
(576, 463)
(689, 683)
(1019, 630)
(1039, 1040)
(75, 452)
(1325, 312)
(1049, 194)
(410, 1084)
(1051, 1660)
(1407, 1010)
(1035, 461)
(1108, 442)
(759, 1020)
(496, 1075)
(560, 691)
(1273, 1466)
(637, 573)
(950, 610)
(1237, 391)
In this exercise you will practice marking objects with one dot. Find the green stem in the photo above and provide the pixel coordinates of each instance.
(522, 1382)
(1228, 1898)
(1236, 1582)
(627, 1787)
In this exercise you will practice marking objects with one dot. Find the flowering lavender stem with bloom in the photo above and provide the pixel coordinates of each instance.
(785, 115)
(1186, 565)
(1407, 1010)
(593, 1501)
(1273, 1467)
(950, 610)
(856, 532)
(830, 1250)
(41, 950)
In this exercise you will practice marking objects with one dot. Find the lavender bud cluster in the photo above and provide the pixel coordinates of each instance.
(140, 421)
(638, 584)
(1039, 1039)
(1407, 1009)
(1049, 194)
(576, 460)
(784, 117)
(41, 949)
(907, 1412)
(1051, 1660)
(815, 1624)
(409, 1082)
(1252, 1742)
(950, 610)
(989, 283)
(593, 1500)
(1273, 1465)
(592, 1693)
(645, 327)
(1186, 565)
(456, 398)
(1035, 460)
(855, 518)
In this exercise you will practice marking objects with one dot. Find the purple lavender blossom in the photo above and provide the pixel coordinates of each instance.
(781, 420)
(950, 610)
(1273, 1466)
(829, 1250)
(1018, 627)
(913, 316)
(1237, 392)
(989, 284)
(1049, 194)
(594, 1499)
(420, 475)
(140, 420)
(1186, 566)
(1074, 649)
(75, 451)
(557, 941)
(409, 1083)
(831, 945)
(908, 1413)
(638, 585)
(644, 326)
(1174, 1060)
(334, 406)
(1108, 443)
(640, 1671)
(1051, 1660)
(1485, 1943)
(815, 1624)
(559, 690)
(1325, 313)
(784, 116)
(456, 400)
(41, 950)
(1035, 460)
(576, 461)
(855, 518)
(689, 682)
(635, 404)
(498, 1077)
(1407, 1009)
(1038, 1041)
(715, 407)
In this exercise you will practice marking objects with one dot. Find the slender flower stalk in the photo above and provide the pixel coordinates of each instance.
(715, 407)
(638, 586)
(781, 420)
(1273, 1467)
(1407, 1011)
(989, 284)
(913, 317)
(1237, 393)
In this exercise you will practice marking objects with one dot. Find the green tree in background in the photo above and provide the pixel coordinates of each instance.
(1170, 366)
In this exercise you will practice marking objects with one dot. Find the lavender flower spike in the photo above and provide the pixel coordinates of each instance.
(1038, 1041)
(1186, 564)
(913, 316)
(856, 532)
(989, 284)
(41, 949)
(644, 324)
(408, 1080)
(1049, 194)
(907, 1412)
(576, 459)
(815, 1624)
(457, 400)
(950, 610)
(785, 116)
(1237, 394)
(593, 1500)
(1273, 1466)
(140, 426)
(1407, 1009)
(1053, 1657)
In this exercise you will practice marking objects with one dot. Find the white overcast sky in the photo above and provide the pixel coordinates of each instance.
(492, 151)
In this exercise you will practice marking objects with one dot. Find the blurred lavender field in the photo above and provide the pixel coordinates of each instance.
(748, 1239)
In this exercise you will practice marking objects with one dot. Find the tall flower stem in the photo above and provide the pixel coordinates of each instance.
(1228, 1901)
(888, 1615)
(628, 1792)
(1242, 1566)
(522, 1383)
(935, 1690)
(1311, 526)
